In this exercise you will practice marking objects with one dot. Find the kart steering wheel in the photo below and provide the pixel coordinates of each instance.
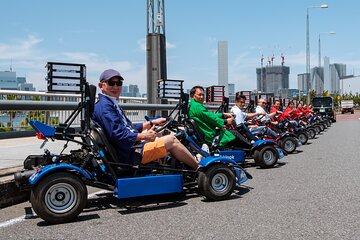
(164, 125)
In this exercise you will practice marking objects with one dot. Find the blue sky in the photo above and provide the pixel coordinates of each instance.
(111, 34)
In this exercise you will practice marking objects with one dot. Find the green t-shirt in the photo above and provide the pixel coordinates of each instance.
(208, 121)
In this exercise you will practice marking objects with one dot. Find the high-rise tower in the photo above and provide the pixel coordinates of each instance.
(223, 78)
(155, 47)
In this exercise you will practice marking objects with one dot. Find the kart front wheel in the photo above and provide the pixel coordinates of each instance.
(217, 182)
(303, 138)
(288, 144)
(266, 157)
(311, 133)
(59, 197)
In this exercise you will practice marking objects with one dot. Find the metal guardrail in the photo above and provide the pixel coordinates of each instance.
(17, 108)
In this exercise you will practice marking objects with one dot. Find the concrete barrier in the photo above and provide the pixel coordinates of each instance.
(10, 194)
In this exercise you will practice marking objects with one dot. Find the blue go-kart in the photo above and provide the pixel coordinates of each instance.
(57, 182)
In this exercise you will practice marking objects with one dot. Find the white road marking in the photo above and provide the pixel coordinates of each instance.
(12, 221)
(23, 218)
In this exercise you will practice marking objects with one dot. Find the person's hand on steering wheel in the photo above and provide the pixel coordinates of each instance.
(158, 121)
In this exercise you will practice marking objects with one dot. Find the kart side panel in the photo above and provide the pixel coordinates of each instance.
(236, 155)
(148, 185)
(216, 159)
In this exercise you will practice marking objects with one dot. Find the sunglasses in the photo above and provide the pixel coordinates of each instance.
(112, 83)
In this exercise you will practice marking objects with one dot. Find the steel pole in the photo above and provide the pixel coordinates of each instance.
(308, 57)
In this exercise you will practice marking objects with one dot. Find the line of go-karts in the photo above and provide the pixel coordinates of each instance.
(57, 182)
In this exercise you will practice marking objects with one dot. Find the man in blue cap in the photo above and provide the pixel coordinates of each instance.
(123, 134)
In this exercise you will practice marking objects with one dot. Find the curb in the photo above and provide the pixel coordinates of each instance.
(10, 193)
(9, 171)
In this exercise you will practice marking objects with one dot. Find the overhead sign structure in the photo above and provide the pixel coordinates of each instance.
(65, 77)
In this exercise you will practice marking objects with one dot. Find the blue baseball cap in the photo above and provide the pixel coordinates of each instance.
(110, 73)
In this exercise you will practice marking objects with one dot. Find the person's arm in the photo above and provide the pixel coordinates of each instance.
(212, 119)
(114, 127)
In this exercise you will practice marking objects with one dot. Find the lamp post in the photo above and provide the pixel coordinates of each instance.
(320, 45)
(308, 49)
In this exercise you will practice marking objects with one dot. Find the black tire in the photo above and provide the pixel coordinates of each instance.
(288, 144)
(303, 138)
(266, 157)
(217, 182)
(322, 128)
(317, 129)
(311, 133)
(328, 123)
(59, 197)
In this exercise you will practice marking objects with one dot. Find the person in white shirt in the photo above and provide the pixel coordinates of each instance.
(241, 117)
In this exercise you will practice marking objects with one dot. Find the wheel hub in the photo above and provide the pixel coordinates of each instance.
(219, 182)
(60, 198)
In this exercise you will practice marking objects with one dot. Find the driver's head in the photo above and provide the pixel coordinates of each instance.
(197, 93)
(262, 102)
(277, 104)
(111, 83)
(240, 100)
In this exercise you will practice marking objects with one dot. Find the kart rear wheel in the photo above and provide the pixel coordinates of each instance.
(217, 182)
(59, 197)
(311, 133)
(266, 157)
(303, 138)
(288, 144)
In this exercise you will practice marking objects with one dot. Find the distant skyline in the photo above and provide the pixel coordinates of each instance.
(111, 34)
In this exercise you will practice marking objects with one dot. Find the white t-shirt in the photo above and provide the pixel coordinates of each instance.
(262, 118)
(240, 116)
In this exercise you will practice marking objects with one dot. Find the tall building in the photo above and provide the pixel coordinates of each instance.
(9, 81)
(332, 75)
(272, 78)
(337, 71)
(223, 66)
(327, 79)
(231, 92)
(317, 79)
(130, 91)
(302, 82)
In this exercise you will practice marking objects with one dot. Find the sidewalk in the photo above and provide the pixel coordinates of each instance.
(14, 151)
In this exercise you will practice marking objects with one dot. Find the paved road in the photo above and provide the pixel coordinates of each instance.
(312, 195)
(14, 151)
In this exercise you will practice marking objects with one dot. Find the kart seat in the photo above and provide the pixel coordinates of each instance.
(110, 154)
(193, 129)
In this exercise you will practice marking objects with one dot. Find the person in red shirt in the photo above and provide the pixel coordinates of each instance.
(277, 109)
(298, 111)
(305, 110)
(289, 111)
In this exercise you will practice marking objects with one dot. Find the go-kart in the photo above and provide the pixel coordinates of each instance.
(57, 182)
(288, 141)
(265, 153)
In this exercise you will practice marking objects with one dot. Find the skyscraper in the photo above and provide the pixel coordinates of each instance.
(332, 75)
(317, 79)
(223, 66)
(271, 79)
(302, 82)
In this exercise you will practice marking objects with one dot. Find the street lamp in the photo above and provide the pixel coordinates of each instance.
(320, 45)
(308, 49)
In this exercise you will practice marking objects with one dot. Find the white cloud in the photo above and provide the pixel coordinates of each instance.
(20, 48)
